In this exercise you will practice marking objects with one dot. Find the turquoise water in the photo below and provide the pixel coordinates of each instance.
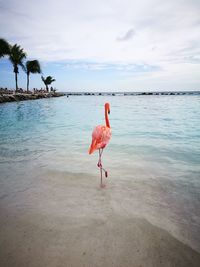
(161, 130)
(154, 151)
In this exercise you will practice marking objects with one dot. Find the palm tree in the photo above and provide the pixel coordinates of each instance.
(47, 81)
(4, 48)
(16, 56)
(32, 66)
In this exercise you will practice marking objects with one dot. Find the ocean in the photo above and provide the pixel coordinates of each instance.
(153, 158)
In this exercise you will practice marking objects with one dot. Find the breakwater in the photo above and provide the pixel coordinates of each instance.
(132, 93)
(27, 96)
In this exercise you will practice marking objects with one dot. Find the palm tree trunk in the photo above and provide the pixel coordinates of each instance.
(47, 88)
(16, 82)
(27, 82)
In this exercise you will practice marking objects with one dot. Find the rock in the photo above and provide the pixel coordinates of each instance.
(24, 96)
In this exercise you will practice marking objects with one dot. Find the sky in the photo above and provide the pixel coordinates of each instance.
(105, 45)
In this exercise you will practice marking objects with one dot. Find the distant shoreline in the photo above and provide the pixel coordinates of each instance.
(15, 97)
(131, 93)
(26, 96)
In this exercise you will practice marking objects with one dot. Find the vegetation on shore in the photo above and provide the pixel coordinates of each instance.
(17, 55)
(47, 81)
(4, 48)
(32, 66)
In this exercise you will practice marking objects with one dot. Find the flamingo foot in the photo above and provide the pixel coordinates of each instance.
(99, 165)
(102, 185)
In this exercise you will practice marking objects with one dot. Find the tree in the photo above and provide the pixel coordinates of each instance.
(16, 56)
(47, 81)
(4, 48)
(32, 66)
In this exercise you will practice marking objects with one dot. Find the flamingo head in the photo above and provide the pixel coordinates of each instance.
(107, 107)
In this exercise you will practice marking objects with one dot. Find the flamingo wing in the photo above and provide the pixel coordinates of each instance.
(100, 137)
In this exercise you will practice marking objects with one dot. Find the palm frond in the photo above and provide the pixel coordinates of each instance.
(43, 79)
(48, 80)
(4, 47)
(33, 66)
(17, 55)
(23, 66)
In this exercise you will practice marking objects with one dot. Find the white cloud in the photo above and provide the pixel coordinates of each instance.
(153, 32)
(127, 36)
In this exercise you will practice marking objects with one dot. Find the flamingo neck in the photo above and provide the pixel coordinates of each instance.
(106, 117)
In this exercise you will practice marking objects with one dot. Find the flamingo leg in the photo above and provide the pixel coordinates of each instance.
(99, 164)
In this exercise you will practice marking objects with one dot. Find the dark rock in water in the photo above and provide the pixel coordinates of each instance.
(24, 96)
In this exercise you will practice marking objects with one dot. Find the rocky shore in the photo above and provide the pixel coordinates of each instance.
(25, 96)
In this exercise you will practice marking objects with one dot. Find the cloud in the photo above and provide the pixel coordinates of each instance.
(127, 36)
(123, 68)
(87, 30)
(166, 34)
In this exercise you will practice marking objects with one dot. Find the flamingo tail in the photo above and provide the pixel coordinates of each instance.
(92, 147)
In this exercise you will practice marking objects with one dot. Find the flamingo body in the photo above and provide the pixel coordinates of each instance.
(100, 137)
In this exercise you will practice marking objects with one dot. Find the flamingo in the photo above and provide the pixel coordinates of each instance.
(100, 138)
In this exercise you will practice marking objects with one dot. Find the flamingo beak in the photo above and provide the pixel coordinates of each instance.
(108, 111)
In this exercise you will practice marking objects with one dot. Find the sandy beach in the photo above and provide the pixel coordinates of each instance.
(65, 219)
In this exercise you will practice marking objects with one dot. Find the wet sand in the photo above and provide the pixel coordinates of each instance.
(65, 219)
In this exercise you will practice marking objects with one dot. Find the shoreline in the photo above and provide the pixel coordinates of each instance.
(15, 97)
(4, 98)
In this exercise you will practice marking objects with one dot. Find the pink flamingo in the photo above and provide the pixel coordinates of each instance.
(100, 138)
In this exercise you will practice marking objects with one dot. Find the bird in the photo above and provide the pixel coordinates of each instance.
(100, 138)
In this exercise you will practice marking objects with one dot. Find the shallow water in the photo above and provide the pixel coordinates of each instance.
(153, 157)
